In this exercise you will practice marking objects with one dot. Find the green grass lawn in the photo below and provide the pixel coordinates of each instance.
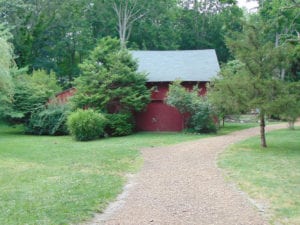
(231, 127)
(56, 180)
(269, 175)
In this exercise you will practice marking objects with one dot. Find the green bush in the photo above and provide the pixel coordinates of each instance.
(202, 120)
(119, 124)
(189, 102)
(85, 125)
(31, 92)
(51, 120)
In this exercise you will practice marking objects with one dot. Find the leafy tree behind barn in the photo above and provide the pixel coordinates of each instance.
(57, 35)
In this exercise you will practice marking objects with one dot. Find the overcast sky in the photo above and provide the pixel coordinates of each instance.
(247, 4)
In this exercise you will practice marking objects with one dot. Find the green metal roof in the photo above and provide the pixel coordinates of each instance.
(186, 65)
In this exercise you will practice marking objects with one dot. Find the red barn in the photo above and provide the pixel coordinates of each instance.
(193, 67)
(63, 97)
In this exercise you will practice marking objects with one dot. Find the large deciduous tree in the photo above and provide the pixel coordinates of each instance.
(109, 81)
(127, 12)
(51, 35)
(6, 62)
(204, 24)
(283, 27)
(158, 29)
(57, 35)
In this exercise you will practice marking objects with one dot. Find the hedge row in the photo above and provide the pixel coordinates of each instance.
(83, 125)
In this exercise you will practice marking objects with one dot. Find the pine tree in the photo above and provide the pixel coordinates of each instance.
(256, 83)
(110, 82)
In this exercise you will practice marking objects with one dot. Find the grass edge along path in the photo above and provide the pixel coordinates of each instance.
(270, 176)
(56, 180)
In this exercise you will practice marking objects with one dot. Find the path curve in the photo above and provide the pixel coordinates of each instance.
(182, 185)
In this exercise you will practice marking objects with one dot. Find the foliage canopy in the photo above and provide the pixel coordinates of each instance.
(57, 35)
(6, 63)
(32, 93)
(254, 81)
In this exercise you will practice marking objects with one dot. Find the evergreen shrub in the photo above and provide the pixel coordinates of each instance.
(85, 125)
(49, 120)
(119, 124)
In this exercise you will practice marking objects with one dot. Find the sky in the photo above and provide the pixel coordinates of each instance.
(248, 4)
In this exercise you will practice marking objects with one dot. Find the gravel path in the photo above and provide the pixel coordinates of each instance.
(181, 184)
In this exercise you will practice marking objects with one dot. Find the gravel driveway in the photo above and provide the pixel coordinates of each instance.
(181, 184)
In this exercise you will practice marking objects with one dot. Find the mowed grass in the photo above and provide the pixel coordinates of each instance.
(56, 180)
(231, 127)
(269, 175)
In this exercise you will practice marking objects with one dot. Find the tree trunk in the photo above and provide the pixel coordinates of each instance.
(263, 142)
(291, 124)
(282, 70)
(127, 14)
(282, 73)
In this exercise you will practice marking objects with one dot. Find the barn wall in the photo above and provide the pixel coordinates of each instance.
(63, 97)
(157, 116)
(160, 117)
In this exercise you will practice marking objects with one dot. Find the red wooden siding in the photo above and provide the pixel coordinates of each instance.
(158, 116)
(63, 97)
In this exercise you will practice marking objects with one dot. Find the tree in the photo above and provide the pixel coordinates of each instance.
(57, 35)
(6, 63)
(158, 29)
(110, 82)
(283, 19)
(257, 84)
(283, 27)
(51, 35)
(224, 104)
(62, 36)
(127, 13)
(204, 24)
(291, 103)
(32, 93)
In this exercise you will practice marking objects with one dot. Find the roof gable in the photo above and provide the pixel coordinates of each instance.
(187, 65)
